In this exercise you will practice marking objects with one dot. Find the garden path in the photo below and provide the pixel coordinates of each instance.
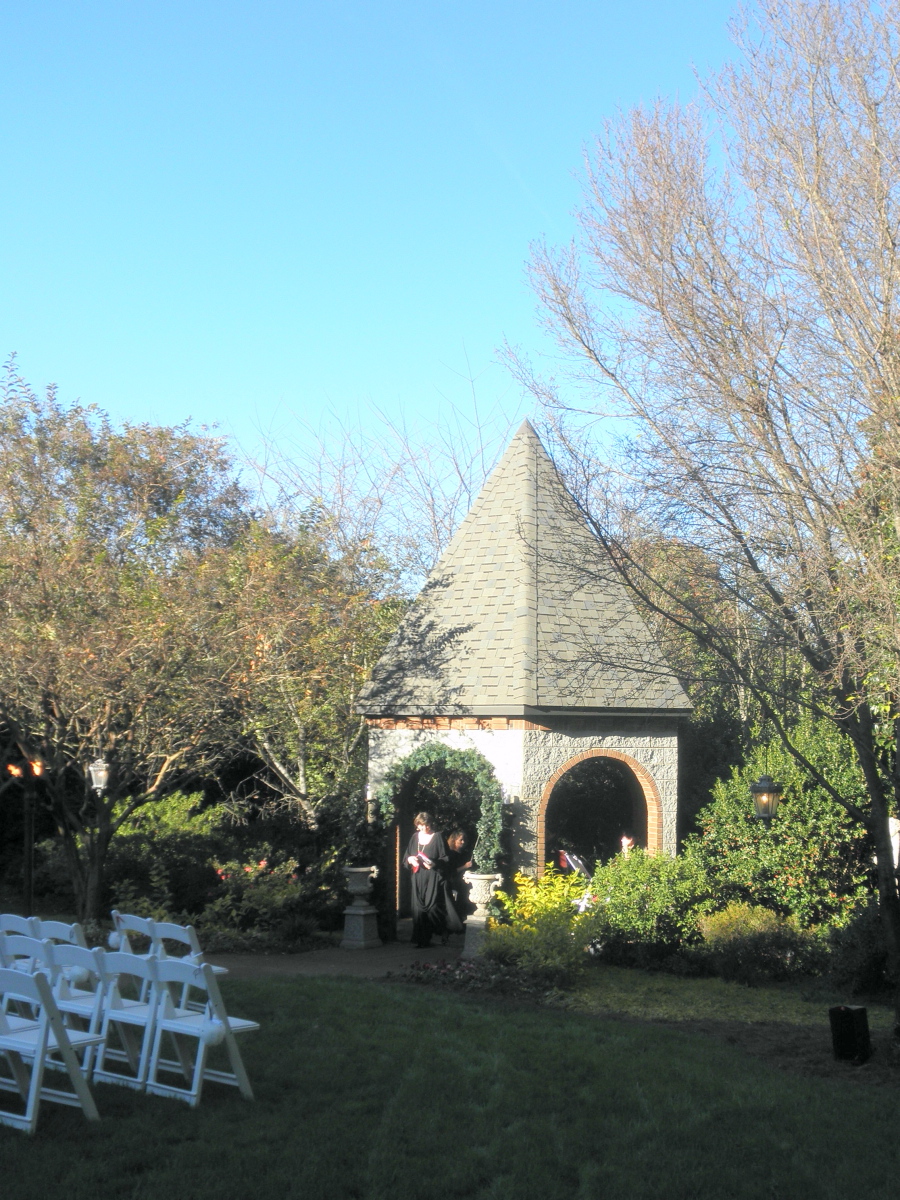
(387, 959)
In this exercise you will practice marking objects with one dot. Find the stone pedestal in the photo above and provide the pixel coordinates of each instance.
(482, 888)
(360, 919)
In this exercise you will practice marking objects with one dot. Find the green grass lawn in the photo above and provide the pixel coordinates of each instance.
(657, 996)
(363, 1086)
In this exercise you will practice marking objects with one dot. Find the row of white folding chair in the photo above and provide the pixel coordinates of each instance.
(134, 1001)
(28, 1043)
(157, 934)
(38, 928)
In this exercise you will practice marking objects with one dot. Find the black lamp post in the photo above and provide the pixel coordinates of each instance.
(766, 795)
(27, 772)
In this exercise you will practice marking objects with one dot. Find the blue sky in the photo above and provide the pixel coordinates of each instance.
(251, 213)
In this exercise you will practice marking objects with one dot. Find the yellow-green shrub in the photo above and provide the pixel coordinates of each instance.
(538, 935)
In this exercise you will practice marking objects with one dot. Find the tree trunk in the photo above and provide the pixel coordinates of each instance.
(93, 889)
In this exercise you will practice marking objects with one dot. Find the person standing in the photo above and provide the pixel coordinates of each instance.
(460, 857)
(432, 907)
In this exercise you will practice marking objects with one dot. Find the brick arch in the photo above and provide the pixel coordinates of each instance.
(641, 774)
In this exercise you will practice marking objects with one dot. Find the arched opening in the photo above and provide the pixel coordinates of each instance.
(592, 801)
(458, 788)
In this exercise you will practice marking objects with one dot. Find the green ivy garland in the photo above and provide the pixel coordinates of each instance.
(488, 850)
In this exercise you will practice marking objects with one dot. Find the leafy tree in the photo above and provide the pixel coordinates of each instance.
(306, 621)
(733, 298)
(111, 639)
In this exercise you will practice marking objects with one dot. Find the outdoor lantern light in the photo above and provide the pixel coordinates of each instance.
(766, 795)
(99, 770)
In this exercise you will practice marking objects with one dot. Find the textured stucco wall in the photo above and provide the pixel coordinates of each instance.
(501, 747)
(525, 760)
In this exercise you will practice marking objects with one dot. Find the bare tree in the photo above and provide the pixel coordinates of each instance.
(402, 486)
(729, 315)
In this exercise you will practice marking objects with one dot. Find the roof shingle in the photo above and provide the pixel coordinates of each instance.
(523, 611)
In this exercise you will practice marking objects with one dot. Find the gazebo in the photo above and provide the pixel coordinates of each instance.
(525, 646)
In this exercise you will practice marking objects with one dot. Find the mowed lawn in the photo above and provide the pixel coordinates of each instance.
(368, 1089)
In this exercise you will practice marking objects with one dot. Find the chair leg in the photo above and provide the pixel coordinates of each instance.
(237, 1065)
(73, 1067)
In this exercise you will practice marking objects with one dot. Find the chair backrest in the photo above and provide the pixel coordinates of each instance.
(124, 966)
(58, 931)
(186, 935)
(72, 968)
(17, 947)
(188, 975)
(158, 933)
(10, 923)
(128, 923)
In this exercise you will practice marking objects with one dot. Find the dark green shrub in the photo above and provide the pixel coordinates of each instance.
(271, 897)
(644, 900)
(858, 955)
(814, 862)
(750, 944)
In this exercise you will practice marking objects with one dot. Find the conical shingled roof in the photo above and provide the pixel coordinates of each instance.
(523, 614)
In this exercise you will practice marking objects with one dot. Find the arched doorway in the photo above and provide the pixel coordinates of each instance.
(457, 787)
(592, 800)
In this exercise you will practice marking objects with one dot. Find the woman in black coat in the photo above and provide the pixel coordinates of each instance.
(432, 907)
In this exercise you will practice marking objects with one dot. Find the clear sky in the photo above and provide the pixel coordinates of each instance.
(237, 211)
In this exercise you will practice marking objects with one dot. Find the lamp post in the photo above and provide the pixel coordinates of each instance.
(99, 772)
(28, 771)
(766, 795)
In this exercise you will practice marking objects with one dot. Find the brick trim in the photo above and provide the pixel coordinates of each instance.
(644, 778)
(444, 723)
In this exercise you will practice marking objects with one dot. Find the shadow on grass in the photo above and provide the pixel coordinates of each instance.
(372, 1090)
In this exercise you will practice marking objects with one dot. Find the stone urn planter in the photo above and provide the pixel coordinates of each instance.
(481, 889)
(360, 919)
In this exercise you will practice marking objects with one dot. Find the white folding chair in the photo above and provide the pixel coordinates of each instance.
(207, 1024)
(27, 1044)
(129, 1017)
(126, 924)
(80, 983)
(18, 927)
(157, 934)
(20, 953)
(11, 923)
(58, 931)
(18, 950)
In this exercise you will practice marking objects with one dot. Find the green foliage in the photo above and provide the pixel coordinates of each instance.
(307, 619)
(750, 944)
(532, 899)
(545, 950)
(458, 786)
(647, 899)
(814, 861)
(271, 899)
(162, 861)
(858, 960)
(539, 935)
(263, 885)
